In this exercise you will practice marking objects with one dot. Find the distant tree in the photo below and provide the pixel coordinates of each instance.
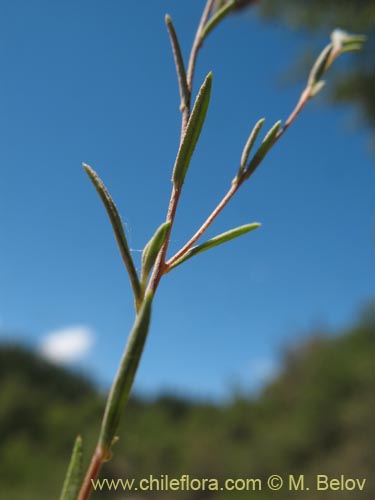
(318, 16)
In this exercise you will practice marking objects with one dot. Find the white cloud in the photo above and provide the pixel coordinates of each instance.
(67, 345)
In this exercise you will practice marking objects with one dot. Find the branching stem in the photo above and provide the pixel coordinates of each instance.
(128, 367)
(304, 98)
(229, 195)
(160, 265)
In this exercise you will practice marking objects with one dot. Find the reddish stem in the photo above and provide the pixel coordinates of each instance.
(204, 226)
(159, 267)
(97, 461)
(305, 96)
(197, 44)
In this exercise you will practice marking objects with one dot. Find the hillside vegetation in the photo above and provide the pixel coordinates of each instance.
(317, 417)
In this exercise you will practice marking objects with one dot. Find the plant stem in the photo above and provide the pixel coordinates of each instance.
(123, 381)
(197, 44)
(98, 458)
(119, 394)
(101, 455)
(159, 268)
(229, 195)
(303, 100)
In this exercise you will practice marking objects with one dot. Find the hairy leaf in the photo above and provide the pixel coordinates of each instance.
(249, 145)
(118, 229)
(217, 240)
(74, 474)
(152, 249)
(192, 132)
(120, 391)
(262, 150)
(180, 66)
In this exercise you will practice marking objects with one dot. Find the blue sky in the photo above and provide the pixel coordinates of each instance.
(94, 81)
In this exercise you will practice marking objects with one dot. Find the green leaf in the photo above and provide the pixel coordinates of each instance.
(74, 473)
(118, 229)
(262, 150)
(122, 385)
(317, 87)
(341, 42)
(320, 66)
(352, 47)
(179, 62)
(249, 145)
(152, 249)
(217, 240)
(217, 17)
(192, 132)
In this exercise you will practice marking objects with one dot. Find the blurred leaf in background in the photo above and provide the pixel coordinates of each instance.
(316, 417)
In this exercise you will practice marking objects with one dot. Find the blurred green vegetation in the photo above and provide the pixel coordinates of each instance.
(316, 417)
(353, 83)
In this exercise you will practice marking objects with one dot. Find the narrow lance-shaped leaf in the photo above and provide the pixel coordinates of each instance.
(249, 145)
(118, 229)
(316, 88)
(320, 66)
(74, 473)
(352, 47)
(192, 132)
(180, 66)
(217, 17)
(217, 240)
(152, 249)
(341, 42)
(125, 376)
(262, 150)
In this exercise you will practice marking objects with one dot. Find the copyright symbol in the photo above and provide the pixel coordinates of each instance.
(275, 482)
